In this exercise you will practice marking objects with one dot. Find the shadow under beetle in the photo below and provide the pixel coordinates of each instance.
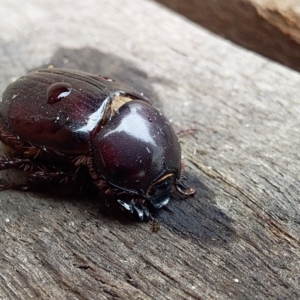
(59, 121)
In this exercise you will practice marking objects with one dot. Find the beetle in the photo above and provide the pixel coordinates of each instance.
(59, 122)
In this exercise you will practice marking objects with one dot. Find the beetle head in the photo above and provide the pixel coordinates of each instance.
(138, 152)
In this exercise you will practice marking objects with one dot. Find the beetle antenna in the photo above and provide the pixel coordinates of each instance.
(184, 132)
(182, 189)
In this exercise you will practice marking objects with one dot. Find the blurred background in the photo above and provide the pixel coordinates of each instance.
(268, 27)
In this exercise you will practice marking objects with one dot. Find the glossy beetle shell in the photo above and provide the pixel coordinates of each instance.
(86, 121)
(29, 110)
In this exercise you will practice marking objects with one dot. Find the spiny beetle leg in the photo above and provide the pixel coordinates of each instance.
(15, 163)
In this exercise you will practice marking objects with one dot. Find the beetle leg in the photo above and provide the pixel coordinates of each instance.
(142, 213)
(127, 206)
(15, 163)
(134, 207)
(139, 212)
(182, 189)
(36, 173)
(27, 165)
(36, 177)
(13, 186)
(42, 176)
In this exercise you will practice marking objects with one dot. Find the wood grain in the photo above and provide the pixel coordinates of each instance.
(268, 27)
(238, 238)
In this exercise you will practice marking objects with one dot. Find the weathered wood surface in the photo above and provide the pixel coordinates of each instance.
(237, 239)
(268, 27)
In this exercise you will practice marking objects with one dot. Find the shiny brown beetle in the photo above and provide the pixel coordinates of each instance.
(58, 122)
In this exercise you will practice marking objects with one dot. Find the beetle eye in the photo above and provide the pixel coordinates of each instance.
(159, 193)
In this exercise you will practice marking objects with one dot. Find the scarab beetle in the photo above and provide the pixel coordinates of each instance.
(58, 122)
